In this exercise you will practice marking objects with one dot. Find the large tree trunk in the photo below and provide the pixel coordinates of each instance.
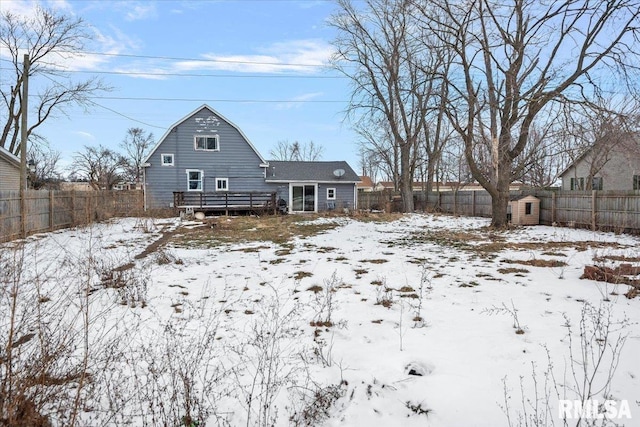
(500, 200)
(406, 178)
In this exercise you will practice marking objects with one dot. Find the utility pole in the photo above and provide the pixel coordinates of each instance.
(23, 146)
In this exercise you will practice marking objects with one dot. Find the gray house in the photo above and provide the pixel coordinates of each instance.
(314, 186)
(9, 171)
(204, 160)
(608, 166)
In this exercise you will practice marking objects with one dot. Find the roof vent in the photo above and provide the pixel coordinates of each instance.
(338, 173)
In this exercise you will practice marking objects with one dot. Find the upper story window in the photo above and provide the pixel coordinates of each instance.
(636, 182)
(167, 159)
(207, 142)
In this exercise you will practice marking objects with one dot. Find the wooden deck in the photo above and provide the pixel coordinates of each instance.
(227, 202)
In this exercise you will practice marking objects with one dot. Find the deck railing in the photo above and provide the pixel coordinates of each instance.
(226, 201)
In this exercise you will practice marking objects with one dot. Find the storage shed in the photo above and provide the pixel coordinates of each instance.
(524, 210)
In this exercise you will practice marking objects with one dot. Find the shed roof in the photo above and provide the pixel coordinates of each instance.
(521, 197)
(288, 171)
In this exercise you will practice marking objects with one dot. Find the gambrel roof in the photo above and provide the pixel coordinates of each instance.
(188, 116)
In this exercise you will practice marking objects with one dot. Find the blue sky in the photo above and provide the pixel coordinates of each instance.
(259, 63)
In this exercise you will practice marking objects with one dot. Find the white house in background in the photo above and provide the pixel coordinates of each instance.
(9, 171)
(610, 167)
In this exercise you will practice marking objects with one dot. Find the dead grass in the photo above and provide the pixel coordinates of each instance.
(620, 258)
(512, 270)
(486, 242)
(236, 229)
(537, 262)
(299, 275)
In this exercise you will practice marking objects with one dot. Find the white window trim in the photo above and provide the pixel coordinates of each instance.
(167, 164)
(334, 193)
(195, 142)
(226, 185)
(201, 180)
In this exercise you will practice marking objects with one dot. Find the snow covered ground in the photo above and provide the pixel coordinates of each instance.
(363, 323)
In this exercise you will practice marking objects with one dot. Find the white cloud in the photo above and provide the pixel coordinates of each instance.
(27, 7)
(303, 56)
(84, 135)
(298, 101)
(139, 11)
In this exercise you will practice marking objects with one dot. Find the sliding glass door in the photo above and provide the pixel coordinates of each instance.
(303, 198)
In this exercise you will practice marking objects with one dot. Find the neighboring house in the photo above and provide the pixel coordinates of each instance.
(206, 154)
(314, 186)
(615, 167)
(76, 186)
(9, 170)
(365, 185)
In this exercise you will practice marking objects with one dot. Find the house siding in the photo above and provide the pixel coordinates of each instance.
(9, 175)
(344, 196)
(617, 174)
(236, 160)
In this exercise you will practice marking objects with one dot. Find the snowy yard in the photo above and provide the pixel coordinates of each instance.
(414, 320)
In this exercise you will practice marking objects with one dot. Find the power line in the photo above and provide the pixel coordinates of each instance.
(282, 101)
(235, 76)
(175, 58)
(125, 116)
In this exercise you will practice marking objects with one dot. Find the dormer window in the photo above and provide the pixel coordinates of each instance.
(207, 143)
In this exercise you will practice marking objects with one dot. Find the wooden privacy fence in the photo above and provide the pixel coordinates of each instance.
(597, 210)
(52, 210)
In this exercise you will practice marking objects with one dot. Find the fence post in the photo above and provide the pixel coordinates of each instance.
(51, 201)
(73, 208)
(553, 208)
(455, 202)
(473, 203)
(594, 200)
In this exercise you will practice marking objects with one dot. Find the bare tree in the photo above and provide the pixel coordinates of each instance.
(44, 165)
(102, 167)
(136, 145)
(377, 145)
(375, 49)
(295, 151)
(514, 60)
(48, 37)
(370, 163)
